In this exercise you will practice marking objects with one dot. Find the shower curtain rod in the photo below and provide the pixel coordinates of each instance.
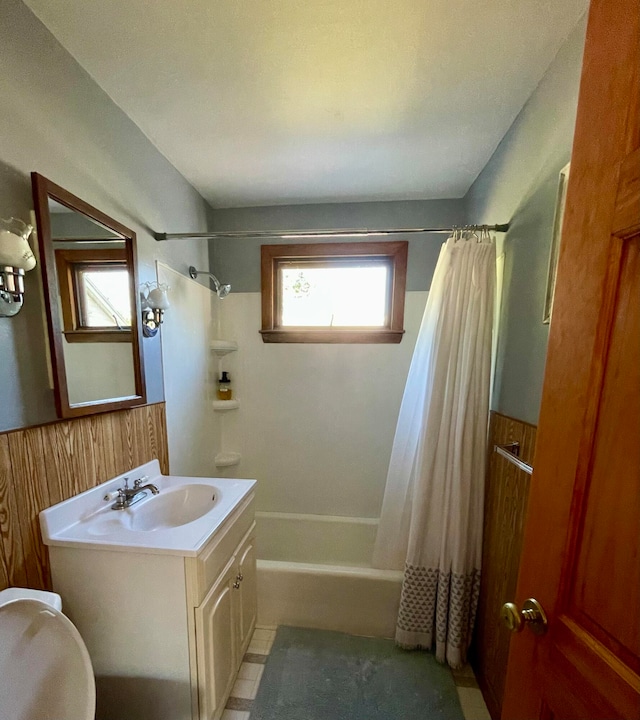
(300, 234)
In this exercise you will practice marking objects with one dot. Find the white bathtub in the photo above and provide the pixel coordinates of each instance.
(315, 571)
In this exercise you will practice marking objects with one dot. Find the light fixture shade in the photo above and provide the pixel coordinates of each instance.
(153, 302)
(15, 250)
(158, 299)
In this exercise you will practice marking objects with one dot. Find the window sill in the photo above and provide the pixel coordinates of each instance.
(332, 336)
(93, 336)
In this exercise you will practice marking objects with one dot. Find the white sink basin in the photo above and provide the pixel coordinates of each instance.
(178, 520)
(172, 508)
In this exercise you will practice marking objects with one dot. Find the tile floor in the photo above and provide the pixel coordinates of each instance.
(248, 679)
(246, 685)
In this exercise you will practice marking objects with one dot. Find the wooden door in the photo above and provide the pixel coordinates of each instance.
(581, 559)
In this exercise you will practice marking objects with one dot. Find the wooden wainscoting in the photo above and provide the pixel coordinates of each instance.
(506, 494)
(41, 466)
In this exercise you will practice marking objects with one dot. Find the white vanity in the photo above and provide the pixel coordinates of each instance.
(163, 592)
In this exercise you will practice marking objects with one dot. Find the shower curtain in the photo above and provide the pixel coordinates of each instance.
(431, 520)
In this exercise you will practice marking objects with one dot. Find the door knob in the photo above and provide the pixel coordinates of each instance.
(532, 615)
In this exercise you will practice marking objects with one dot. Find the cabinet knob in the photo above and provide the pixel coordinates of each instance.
(239, 577)
(236, 584)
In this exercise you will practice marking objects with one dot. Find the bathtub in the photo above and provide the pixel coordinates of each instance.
(315, 571)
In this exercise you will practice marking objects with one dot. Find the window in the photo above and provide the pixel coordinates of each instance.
(334, 292)
(95, 295)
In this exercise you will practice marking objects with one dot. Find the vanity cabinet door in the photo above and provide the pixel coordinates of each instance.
(246, 558)
(216, 649)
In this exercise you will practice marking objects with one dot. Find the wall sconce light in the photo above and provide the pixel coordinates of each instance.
(154, 301)
(16, 257)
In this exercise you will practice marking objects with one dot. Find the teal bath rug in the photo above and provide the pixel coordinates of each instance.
(321, 675)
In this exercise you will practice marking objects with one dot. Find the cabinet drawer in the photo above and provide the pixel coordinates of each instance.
(204, 569)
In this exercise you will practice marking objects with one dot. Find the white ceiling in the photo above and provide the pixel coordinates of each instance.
(260, 102)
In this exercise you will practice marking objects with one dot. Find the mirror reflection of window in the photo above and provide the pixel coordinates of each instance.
(103, 297)
(95, 309)
(94, 294)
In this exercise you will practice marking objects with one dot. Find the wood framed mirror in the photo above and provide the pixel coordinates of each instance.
(89, 273)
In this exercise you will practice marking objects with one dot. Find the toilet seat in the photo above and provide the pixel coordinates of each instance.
(45, 669)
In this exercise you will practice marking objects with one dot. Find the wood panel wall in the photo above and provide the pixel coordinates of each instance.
(41, 466)
(506, 495)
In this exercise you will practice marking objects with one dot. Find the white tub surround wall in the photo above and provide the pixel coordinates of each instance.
(193, 429)
(316, 421)
(326, 539)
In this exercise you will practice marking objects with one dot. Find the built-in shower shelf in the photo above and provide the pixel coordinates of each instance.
(227, 459)
(223, 347)
(224, 405)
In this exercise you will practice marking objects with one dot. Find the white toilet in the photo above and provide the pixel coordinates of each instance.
(45, 669)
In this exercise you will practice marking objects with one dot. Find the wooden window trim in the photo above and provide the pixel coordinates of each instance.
(272, 256)
(66, 260)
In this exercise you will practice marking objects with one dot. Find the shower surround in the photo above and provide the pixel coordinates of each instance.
(315, 427)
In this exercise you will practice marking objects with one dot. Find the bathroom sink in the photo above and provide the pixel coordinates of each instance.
(105, 525)
(179, 520)
(174, 507)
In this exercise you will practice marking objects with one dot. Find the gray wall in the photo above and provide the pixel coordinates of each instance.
(519, 185)
(57, 121)
(74, 225)
(238, 261)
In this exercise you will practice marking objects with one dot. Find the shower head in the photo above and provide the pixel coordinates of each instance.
(221, 290)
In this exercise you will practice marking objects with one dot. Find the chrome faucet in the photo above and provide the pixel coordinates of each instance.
(126, 496)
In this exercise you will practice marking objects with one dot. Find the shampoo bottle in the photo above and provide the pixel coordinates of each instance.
(224, 386)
